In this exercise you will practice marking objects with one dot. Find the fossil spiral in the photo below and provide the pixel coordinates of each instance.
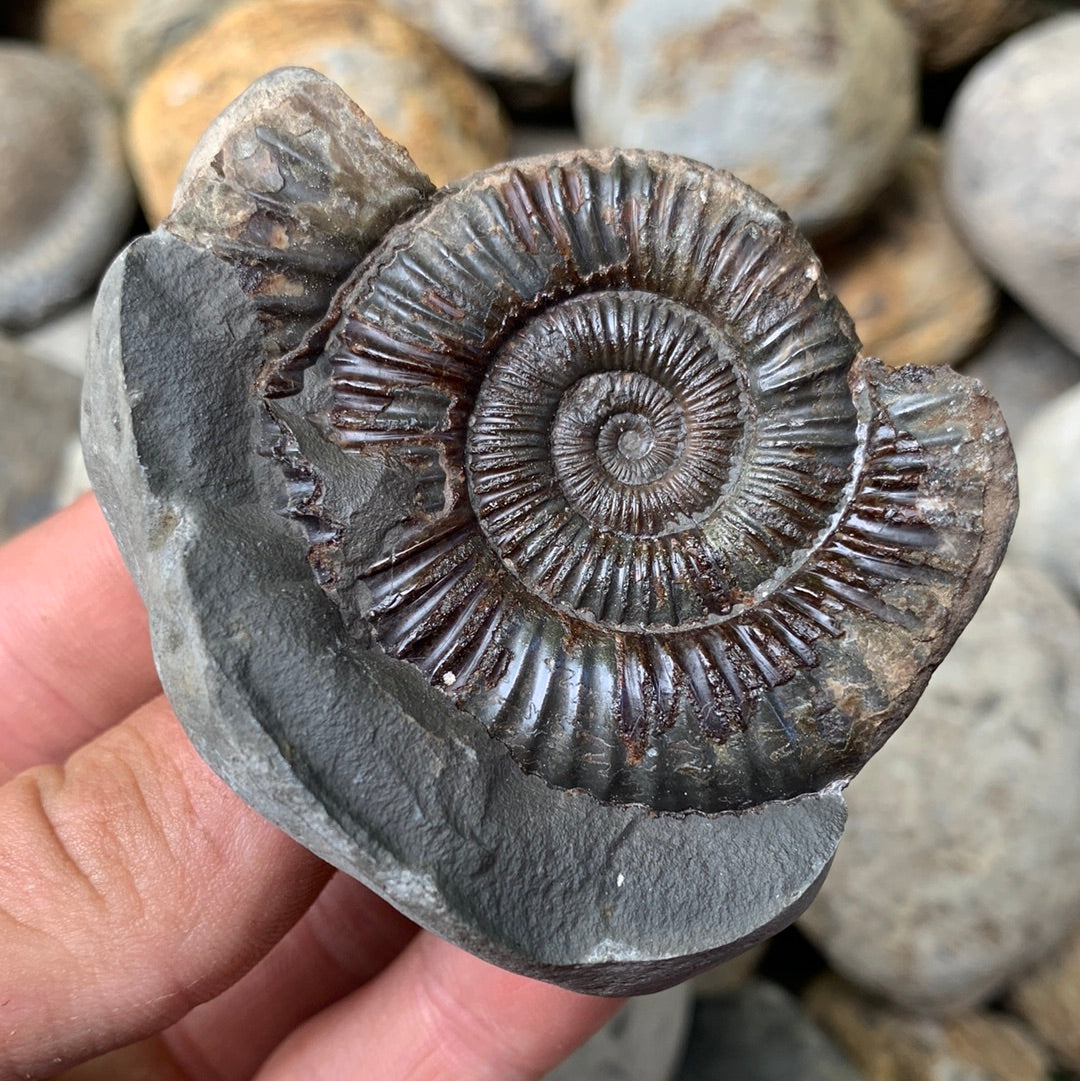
(650, 485)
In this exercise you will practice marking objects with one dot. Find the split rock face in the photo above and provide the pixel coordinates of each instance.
(540, 550)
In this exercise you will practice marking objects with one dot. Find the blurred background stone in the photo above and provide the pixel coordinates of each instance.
(62, 340)
(964, 861)
(1012, 159)
(39, 415)
(810, 103)
(1024, 368)
(760, 1032)
(729, 975)
(960, 864)
(1048, 530)
(951, 32)
(916, 295)
(527, 47)
(121, 40)
(888, 1045)
(1048, 998)
(527, 140)
(410, 87)
(65, 196)
(644, 1041)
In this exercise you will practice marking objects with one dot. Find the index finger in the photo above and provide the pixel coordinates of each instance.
(74, 644)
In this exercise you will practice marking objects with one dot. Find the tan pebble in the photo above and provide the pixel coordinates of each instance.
(891, 1046)
(1049, 1000)
(120, 40)
(410, 87)
(916, 295)
(953, 31)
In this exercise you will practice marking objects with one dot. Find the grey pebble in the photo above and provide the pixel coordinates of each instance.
(1024, 368)
(1012, 162)
(809, 103)
(644, 1041)
(1048, 531)
(760, 1032)
(39, 416)
(66, 199)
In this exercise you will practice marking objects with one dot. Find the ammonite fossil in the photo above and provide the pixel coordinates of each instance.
(600, 547)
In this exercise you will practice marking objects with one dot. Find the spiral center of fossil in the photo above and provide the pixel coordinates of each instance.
(634, 439)
(603, 434)
(616, 430)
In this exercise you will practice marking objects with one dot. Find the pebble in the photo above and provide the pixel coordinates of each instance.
(413, 90)
(809, 103)
(65, 199)
(644, 1041)
(121, 40)
(1012, 158)
(1048, 998)
(728, 975)
(951, 32)
(915, 293)
(64, 339)
(888, 1045)
(1048, 531)
(760, 1032)
(528, 47)
(960, 863)
(1024, 368)
(39, 415)
(527, 140)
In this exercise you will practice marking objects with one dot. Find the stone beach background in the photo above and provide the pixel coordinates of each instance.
(931, 150)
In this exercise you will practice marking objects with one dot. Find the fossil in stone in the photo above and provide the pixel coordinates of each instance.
(552, 520)
(651, 496)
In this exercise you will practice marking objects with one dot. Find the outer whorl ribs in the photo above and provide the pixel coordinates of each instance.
(664, 530)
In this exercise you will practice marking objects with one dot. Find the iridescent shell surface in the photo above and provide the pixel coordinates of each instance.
(658, 526)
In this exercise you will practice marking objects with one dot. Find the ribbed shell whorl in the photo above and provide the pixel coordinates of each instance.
(649, 485)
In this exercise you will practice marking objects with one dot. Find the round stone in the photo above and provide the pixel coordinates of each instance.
(1024, 368)
(39, 414)
(809, 103)
(410, 87)
(906, 277)
(1048, 532)
(888, 1044)
(527, 46)
(65, 196)
(951, 32)
(1012, 152)
(960, 865)
(121, 40)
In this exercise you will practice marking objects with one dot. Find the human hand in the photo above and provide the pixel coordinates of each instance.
(143, 906)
